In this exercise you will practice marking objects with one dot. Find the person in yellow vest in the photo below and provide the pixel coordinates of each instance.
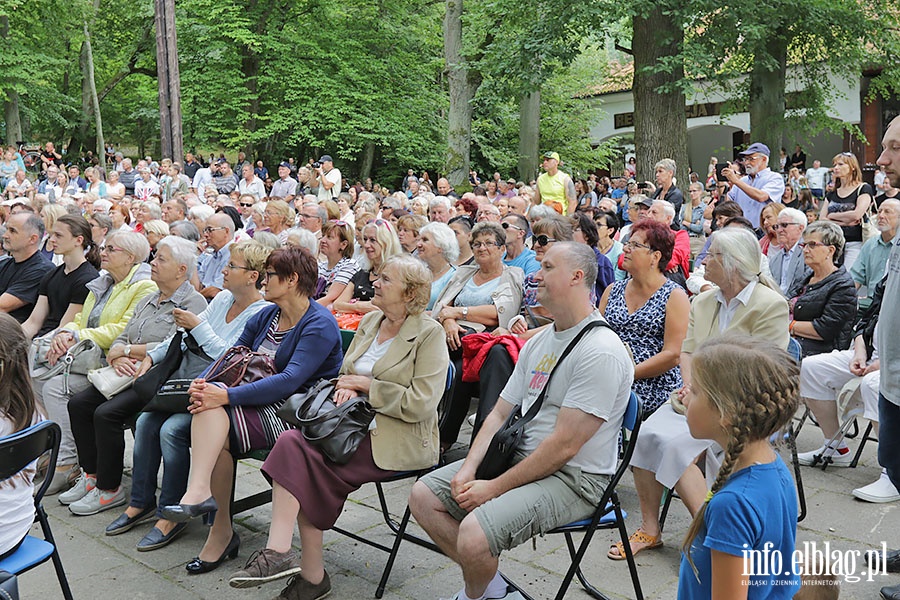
(555, 188)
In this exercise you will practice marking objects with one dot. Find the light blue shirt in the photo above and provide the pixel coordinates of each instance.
(525, 260)
(213, 333)
(438, 285)
(766, 180)
(209, 268)
(869, 267)
(613, 255)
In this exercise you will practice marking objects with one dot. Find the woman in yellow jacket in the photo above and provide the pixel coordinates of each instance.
(107, 309)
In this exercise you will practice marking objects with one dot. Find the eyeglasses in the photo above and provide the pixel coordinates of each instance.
(232, 267)
(783, 225)
(480, 245)
(631, 245)
(306, 216)
(111, 249)
(340, 223)
(812, 245)
(543, 240)
(270, 274)
(508, 225)
(211, 229)
(600, 224)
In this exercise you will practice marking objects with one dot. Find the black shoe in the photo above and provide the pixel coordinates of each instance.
(197, 566)
(890, 593)
(181, 513)
(155, 538)
(124, 523)
(890, 564)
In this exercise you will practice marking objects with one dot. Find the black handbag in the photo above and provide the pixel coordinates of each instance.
(336, 431)
(147, 384)
(499, 455)
(173, 396)
(9, 586)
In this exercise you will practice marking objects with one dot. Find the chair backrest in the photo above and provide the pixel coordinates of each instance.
(22, 448)
(794, 349)
(634, 416)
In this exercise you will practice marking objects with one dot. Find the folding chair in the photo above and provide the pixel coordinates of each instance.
(790, 436)
(17, 451)
(850, 405)
(607, 515)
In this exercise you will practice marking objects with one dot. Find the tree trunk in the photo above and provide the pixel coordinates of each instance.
(100, 149)
(529, 134)
(767, 94)
(170, 136)
(79, 141)
(250, 64)
(366, 161)
(660, 124)
(462, 85)
(11, 114)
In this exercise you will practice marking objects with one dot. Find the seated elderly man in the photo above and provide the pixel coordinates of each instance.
(219, 235)
(568, 451)
(869, 267)
(663, 212)
(439, 209)
(789, 270)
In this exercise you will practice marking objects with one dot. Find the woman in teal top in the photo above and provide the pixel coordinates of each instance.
(438, 248)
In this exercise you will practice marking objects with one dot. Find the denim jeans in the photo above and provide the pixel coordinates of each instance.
(889, 438)
(161, 437)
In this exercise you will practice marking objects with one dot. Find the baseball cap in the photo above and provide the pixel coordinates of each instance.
(645, 201)
(756, 147)
(284, 163)
(553, 155)
(511, 181)
(325, 158)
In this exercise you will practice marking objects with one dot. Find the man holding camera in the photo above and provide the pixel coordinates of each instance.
(758, 187)
(329, 179)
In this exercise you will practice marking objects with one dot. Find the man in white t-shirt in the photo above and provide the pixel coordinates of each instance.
(329, 179)
(816, 178)
(568, 450)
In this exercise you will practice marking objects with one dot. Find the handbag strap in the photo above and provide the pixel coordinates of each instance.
(534, 408)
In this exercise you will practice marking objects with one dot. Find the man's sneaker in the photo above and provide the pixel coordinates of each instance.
(838, 458)
(300, 589)
(62, 479)
(264, 566)
(880, 491)
(98, 500)
(84, 484)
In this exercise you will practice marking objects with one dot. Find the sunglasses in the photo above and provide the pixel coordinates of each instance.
(508, 225)
(340, 223)
(543, 240)
(245, 205)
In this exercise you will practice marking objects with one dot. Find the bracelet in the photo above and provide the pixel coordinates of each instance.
(791, 326)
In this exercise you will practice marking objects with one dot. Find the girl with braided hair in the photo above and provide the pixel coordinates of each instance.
(743, 390)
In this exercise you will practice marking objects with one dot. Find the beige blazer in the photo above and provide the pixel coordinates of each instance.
(408, 382)
(765, 316)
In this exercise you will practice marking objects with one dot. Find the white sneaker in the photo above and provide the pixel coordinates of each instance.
(837, 459)
(84, 484)
(98, 500)
(880, 491)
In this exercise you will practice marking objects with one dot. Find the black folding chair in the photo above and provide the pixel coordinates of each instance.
(17, 451)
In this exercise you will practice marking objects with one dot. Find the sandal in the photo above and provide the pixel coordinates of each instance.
(638, 537)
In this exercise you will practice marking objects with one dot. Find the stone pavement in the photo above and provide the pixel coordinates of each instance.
(109, 567)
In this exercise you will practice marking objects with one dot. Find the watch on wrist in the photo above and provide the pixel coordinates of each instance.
(128, 350)
(465, 312)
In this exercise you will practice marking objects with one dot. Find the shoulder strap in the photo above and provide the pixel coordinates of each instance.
(534, 408)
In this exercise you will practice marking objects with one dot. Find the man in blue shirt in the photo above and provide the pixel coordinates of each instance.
(517, 254)
(219, 235)
(758, 187)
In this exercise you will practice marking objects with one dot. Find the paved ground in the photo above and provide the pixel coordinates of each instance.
(109, 567)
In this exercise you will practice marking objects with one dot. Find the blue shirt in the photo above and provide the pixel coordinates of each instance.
(869, 267)
(210, 265)
(754, 510)
(525, 261)
(438, 285)
(766, 180)
(613, 255)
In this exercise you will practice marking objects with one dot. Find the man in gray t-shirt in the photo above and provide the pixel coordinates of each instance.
(569, 449)
(889, 352)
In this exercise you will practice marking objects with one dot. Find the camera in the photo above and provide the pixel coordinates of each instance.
(643, 186)
(316, 165)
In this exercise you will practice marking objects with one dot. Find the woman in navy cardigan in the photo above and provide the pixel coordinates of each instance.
(304, 340)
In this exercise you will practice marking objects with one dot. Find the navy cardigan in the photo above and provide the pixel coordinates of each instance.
(309, 352)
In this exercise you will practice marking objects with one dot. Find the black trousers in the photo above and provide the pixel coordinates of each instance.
(98, 426)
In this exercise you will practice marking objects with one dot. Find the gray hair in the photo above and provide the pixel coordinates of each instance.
(667, 207)
(831, 235)
(740, 255)
(103, 205)
(103, 220)
(184, 252)
(202, 212)
(581, 257)
(267, 239)
(539, 212)
(133, 243)
(444, 238)
(795, 216)
(439, 201)
(489, 228)
(222, 220)
(303, 238)
(185, 229)
(667, 163)
(321, 211)
(154, 208)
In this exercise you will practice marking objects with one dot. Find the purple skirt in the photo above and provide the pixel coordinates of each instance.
(320, 485)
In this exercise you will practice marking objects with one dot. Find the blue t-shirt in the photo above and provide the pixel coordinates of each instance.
(438, 285)
(757, 506)
(525, 261)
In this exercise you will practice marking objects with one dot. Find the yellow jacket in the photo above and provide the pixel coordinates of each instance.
(123, 298)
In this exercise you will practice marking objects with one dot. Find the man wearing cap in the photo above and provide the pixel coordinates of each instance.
(250, 183)
(329, 179)
(555, 188)
(758, 187)
(286, 186)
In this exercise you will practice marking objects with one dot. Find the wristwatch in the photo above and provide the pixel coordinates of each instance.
(465, 312)
(127, 349)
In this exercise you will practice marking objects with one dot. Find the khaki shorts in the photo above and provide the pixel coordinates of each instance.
(524, 512)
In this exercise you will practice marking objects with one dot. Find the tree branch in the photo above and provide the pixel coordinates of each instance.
(621, 48)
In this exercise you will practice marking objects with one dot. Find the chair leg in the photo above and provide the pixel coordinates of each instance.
(862, 444)
(395, 549)
(801, 494)
(629, 555)
(57, 561)
(667, 496)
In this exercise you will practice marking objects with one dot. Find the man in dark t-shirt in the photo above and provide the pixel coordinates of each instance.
(20, 276)
(63, 289)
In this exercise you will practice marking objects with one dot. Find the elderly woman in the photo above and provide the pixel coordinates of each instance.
(379, 243)
(824, 312)
(399, 360)
(482, 296)
(107, 309)
(666, 453)
(278, 218)
(161, 436)
(146, 211)
(101, 225)
(155, 231)
(665, 185)
(200, 214)
(338, 267)
(438, 248)
(650, 313)
(304, 341)
(115, 190)
(98, 424)
(847, 204)
(121, 218)
(408, 227)
(585, 232)
(693, 217)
